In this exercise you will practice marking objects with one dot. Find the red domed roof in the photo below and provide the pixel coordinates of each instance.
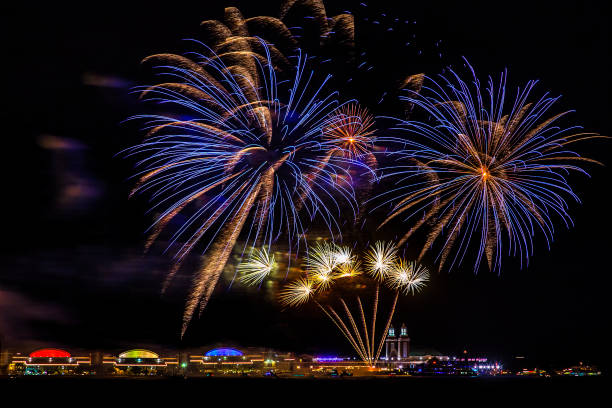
(53, 353)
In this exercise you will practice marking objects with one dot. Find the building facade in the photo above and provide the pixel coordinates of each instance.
(231, 361)
(50, 361)
(397, 345)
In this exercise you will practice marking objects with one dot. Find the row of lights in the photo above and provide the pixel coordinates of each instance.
(50, 359)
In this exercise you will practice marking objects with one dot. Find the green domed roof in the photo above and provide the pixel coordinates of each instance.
(138, 353)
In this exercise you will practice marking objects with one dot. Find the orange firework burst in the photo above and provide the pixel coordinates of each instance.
(351, 129)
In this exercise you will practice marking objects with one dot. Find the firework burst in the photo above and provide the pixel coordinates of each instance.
(482, 174)
(259, 265)
(246, 160)
(349, 269)
(380, 259)
(351, 130)
(297, 293)
(343, 255)
(321, 264)
(407, 277)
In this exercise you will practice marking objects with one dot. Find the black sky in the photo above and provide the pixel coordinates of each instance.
(72, 270)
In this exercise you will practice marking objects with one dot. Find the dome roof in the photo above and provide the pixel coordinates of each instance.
(51, 353)
(224, 352)
(138, 353)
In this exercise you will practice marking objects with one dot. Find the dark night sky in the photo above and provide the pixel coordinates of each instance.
(72, 273)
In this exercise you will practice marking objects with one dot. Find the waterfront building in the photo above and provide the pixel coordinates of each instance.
(50, 361)
(228, 360)
(140, 362)
(397, 345)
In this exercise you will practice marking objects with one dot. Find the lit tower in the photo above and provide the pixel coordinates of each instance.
(397, 347)
(390, 349)
(403, 343)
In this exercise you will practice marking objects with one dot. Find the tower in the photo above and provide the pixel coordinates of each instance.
(403, 343)
(390, 346)
(397, 346)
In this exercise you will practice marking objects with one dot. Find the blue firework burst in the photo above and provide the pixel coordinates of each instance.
(484, 171)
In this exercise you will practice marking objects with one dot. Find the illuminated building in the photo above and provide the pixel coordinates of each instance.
(397, 347)
(433, 363)
(224, 360)
(224, 352)
(398, 356)
(232, 361)
(50, 361)
(337, 366)
(139, 362)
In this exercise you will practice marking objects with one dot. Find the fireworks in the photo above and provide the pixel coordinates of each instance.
(349, 138)
(246, 155)
(327, 263)
(349, 269)
(380, 259)
(351, 129)
(330, 41)
(484, 177)
(407, 277)
(257, 267)
(301, 25)
(321, 263)
(297, 293)
(247, 158)
(343, 255)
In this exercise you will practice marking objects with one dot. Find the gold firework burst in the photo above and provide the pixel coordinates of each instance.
(259, 265)
(379, 259)
(407, 277)
(297, 293)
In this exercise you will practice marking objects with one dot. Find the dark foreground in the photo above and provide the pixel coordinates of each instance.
(480, 390)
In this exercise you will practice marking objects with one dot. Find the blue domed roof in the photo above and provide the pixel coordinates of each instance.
(224, 352)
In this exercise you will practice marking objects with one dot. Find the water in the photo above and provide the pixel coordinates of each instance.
(388, 391)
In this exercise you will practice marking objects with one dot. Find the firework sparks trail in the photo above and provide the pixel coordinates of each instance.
(365, 327)
(334, 317)
(480, 174)
(367, 351)
(400, 276)
(386, 330)
(250, 146)
(221, 249)
(374, 314)
(349, 315)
